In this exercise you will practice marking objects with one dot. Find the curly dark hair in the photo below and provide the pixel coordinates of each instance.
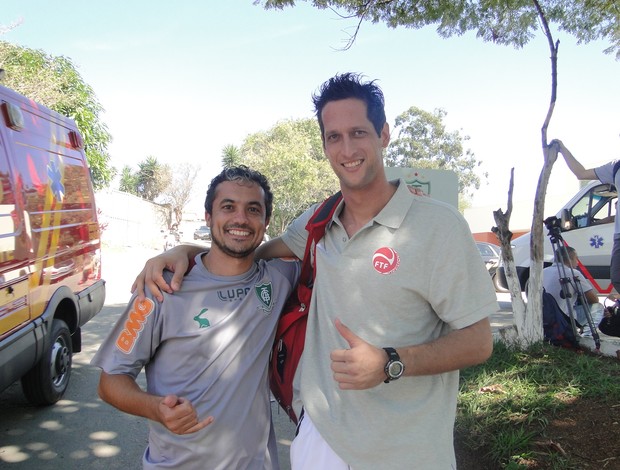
(243, 174)
(351, 85)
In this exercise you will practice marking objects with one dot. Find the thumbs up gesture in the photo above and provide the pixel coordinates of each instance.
(361, 366)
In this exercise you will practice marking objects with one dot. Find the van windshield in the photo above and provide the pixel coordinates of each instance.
(596, 207)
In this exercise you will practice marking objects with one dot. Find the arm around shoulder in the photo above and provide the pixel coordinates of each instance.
(274, 248)
(151, 277)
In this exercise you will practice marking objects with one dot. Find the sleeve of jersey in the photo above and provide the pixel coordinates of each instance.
(133, 340)
(460, 288)
(605, 173)
(289, 268)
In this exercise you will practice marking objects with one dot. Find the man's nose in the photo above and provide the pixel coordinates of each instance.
(348, 146)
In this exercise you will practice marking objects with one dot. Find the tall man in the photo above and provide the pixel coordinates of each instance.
(206, 348)
(401, 302)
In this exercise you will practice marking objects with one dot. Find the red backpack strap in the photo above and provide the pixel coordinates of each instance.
(316, 229)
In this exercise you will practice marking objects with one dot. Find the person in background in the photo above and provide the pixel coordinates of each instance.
(206, 348)
(609, 174)
(400, 303)
(552, 283)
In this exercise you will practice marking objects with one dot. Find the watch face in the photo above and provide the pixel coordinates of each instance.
(395, 369)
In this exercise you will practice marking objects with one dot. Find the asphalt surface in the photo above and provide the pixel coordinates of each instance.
(81, 431)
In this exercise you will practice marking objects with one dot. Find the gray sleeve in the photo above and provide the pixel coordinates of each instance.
(605, 173)
(132, 341)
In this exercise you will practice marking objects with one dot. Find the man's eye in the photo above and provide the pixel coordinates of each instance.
(332, 137)
(360, 133)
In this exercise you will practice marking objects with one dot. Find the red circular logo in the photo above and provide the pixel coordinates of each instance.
(385, 260)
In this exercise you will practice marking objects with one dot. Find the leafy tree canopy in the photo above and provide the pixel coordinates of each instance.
(290, 155)
(508, 22)
(128, 181)
(149, 182)
(179, 192)
(422, 141)
(231, 156)
(55, 83)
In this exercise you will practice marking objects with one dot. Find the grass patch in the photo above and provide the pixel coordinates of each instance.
(506, 404)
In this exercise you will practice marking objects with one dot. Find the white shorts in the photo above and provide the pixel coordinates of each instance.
(309, 450)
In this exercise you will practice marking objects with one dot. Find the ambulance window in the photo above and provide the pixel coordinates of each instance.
(9, 217)
(597, 206)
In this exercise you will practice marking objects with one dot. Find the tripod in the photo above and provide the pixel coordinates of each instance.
(562, 261)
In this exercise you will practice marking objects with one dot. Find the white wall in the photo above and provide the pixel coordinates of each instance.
(131, 221)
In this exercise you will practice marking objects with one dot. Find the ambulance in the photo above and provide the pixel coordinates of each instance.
(585, 222)
(50, 247)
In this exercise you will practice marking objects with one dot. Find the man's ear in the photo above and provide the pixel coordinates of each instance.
(208, 219)
(385, 135)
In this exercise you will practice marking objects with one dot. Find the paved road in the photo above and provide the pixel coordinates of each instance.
(81, 431)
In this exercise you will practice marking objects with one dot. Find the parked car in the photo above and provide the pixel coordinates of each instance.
(490, 254)
(203, 233)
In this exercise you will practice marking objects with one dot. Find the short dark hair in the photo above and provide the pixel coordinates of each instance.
(240, 173)
(564, 254)
(351, 85)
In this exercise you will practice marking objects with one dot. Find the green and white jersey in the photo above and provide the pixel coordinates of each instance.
(210, 343)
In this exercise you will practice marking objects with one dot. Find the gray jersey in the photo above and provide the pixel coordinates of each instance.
(210, 343)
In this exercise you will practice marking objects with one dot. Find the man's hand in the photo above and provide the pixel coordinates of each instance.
(151, 276)
(180, 416)
(360, 367)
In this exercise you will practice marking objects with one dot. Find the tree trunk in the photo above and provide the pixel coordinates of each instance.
(528, 319)
(504, 236)
(533, 331)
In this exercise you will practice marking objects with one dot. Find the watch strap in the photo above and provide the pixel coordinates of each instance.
(392, 356)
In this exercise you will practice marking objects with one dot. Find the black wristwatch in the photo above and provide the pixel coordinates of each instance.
(394, 368)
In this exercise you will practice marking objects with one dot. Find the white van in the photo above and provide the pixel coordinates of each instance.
(586, 224)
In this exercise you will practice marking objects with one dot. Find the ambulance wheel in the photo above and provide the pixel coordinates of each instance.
(47, 381)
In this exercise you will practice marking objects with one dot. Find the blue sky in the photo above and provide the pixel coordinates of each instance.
(180, 80)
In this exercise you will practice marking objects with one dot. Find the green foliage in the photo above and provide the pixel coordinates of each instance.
(422, 141)
(506, 404)
(55, 83)
(507, 22)
(290, 155)
(128, 182)
(152, 178)
(231, 156)
(149, 182)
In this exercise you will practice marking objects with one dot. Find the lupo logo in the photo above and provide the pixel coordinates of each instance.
(385, 260)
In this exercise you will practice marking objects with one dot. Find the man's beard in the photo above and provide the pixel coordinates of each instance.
(229, 251)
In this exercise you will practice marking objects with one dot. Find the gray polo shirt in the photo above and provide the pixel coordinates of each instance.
(210, 343)
(409, 276)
